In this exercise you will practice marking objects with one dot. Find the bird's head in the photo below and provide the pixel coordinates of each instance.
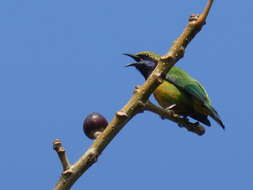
(145, 62)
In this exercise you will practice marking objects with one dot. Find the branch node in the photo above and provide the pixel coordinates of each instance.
(181, 50)
(67, 172)
(159, 78)
(97, 133)
(122, 114)
(57, 144)
(140, 103)
(141, 106)
(137, 89)
(92, 155)
(193, 18)
(167, 58)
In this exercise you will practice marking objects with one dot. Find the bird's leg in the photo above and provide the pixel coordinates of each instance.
(186, 120)
(170, 110)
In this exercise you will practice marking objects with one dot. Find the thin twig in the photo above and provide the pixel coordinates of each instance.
(182, 122)
(136, 103)
(57, 146)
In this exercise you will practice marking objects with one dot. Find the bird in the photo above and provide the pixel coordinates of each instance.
(179, 91)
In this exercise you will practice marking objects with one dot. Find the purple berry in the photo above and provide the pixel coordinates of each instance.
(93, 123)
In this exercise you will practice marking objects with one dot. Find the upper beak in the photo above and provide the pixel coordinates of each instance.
(135, 57)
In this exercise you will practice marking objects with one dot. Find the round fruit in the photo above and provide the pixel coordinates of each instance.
(93, 124)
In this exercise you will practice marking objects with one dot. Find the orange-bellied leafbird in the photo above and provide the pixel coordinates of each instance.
(179, 91)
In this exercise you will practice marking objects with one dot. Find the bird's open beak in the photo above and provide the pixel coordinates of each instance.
(131, 65)
(135, 57)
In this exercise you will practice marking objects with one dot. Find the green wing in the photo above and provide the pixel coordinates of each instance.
(189, 85)
(185, 82)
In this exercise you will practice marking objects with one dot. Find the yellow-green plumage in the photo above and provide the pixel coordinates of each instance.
(167, 94)
(179, 89)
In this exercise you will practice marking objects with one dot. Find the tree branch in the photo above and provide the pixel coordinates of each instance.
(170, 115)
(136, 103)
(57, 146)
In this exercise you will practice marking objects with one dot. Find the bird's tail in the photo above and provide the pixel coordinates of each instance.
(214, 114)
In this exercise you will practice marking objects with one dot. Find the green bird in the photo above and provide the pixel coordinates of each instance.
(179, 91)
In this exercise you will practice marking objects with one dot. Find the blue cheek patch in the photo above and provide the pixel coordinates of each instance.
(149, 63)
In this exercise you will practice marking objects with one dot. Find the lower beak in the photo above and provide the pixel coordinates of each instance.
(131, 65)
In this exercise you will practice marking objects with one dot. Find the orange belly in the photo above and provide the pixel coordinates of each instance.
(167, 94)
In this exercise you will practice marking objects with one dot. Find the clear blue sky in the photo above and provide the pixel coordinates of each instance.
(61, 60)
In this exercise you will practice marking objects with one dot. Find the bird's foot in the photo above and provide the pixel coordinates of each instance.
(170, 110)
(186, 120)
(196, 124)
(170, 107)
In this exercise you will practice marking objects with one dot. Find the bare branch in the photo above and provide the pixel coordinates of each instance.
(205, 12)
(135, 104)
(194, 26)
(57, 145)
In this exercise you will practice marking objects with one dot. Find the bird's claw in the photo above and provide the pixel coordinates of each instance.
(170, 110)
(196, 124)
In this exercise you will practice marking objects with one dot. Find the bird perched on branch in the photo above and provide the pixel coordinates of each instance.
(179, 91)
